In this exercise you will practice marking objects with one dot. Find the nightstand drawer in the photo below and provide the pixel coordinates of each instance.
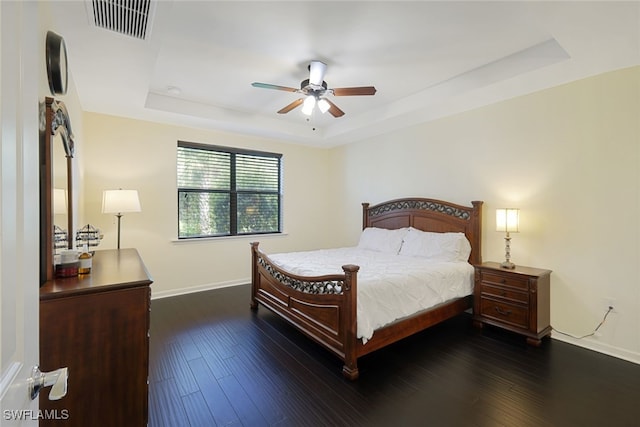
(508, 280)
(504, 312)
(509, 294)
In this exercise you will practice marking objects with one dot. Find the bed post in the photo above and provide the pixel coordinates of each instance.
(476, 225)
(350, 368)
(254, 275)
(365, 215)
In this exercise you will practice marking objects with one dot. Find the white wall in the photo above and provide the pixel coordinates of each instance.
(132, 154)
(568, 157)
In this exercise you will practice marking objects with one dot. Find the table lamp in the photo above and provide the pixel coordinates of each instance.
(507, 220)
(118, 202)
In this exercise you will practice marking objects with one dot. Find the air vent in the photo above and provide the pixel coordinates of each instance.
(129, 17)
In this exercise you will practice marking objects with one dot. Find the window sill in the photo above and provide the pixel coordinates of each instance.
(250, 237)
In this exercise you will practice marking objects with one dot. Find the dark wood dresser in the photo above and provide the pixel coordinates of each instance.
(514, 299)
(97, 325)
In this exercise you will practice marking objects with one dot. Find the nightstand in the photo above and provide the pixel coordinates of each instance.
(514, 299)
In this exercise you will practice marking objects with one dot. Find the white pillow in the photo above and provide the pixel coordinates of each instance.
(436, 246)
(382, 240)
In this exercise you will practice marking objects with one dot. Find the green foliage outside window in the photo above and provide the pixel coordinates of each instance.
(224, 191)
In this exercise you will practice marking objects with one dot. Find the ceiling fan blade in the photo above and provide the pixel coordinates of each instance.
(270, 86)
(352, 91)
(291, 106)
(334, 110)
(316, 72)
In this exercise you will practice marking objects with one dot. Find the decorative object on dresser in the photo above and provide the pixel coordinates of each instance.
(88, 235)
(97, 325)
(118, 202)
(507, 220)
(517, 299)
(329, 317)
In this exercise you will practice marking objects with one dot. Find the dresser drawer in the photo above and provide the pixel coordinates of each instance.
(508, 280)
(506, 293)
(504, 312)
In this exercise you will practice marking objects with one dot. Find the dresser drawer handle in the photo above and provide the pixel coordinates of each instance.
(502, 311)
(503, 281)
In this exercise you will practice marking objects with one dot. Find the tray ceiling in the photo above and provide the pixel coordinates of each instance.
(427, 59)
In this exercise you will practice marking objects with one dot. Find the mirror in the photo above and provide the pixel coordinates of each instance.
(56, 197)
(60, 196)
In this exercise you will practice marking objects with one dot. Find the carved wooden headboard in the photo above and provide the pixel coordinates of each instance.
(429, 215)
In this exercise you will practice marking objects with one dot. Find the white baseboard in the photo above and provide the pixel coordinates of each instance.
(199, 288)
(607, 349)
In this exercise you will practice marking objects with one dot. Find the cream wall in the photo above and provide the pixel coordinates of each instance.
(132, 154)
(568, 157)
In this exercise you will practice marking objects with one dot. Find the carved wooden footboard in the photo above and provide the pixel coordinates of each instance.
(324, 307)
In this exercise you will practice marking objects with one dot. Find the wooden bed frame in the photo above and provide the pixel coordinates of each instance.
(324, 307)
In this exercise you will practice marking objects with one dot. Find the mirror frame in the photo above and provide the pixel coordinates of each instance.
(50, 125)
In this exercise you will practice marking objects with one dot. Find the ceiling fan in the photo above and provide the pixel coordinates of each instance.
(315, 91)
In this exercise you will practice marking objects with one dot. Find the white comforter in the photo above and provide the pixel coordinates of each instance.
(389, 286)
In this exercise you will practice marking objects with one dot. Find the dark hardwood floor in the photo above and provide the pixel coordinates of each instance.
(215, 362)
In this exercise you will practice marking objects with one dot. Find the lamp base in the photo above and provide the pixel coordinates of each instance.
(508, 264)
(119, 215)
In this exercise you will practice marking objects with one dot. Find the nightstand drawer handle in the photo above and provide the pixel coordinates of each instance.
(504, 281)
(502, 311)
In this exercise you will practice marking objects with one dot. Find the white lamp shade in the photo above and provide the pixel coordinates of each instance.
(119, 201)
(507, 219)
(308, 104)
(59, 201)
(323, 105)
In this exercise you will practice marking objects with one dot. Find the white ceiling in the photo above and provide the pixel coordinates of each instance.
(427, 59)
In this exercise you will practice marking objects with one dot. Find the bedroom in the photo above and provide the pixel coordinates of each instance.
(567, 156)
(564, 155)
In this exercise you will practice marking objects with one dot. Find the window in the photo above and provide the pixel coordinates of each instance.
(225, 191)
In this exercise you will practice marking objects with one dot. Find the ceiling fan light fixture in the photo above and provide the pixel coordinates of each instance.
(309, 103)
(323, 105)
(313, 91)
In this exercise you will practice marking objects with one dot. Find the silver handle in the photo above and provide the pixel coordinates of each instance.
(40, 380)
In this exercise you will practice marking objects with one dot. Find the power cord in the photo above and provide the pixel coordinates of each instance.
(592, 333)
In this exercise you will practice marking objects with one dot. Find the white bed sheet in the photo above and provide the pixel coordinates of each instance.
(390, 286)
